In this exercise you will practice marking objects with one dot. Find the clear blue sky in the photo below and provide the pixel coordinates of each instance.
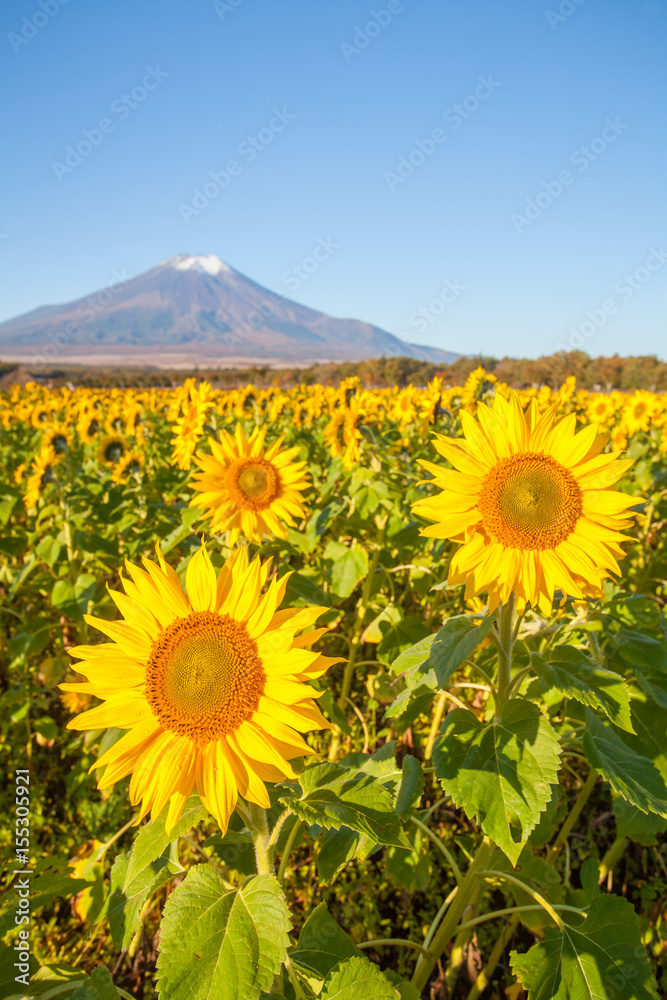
(360, 102)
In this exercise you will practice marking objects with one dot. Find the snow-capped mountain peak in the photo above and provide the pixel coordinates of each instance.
(204, 263)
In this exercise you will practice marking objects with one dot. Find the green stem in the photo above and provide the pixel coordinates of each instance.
(355, 645)
(291, 840)
(438, 917)
(441, 847)
(484, 977)
(395, 942)
(474, 921)
(574, 814)
(452, 918)
(435, 725)
(459, 947)
(261, 837)
(612, 857)
(530, 892)
(505, 642)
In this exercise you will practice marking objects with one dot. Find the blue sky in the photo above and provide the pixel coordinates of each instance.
(490, 176)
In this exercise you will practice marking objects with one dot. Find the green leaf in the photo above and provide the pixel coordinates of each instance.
(455, 642)
(357, 979)
(574, 674)
(636, 825)
(220, 942)
(127, 895)
(348, 568)
(411, 787)
(136, 876)
(630, 774)
(410, 869)
(600, 959)
(188, 517)
(332, 796)
(501, 773)
(641, 650)
(414, 656)
(322, 944)
(153, 838)
(337, 847)
(99, 987)
(399, 636)
(301, 590)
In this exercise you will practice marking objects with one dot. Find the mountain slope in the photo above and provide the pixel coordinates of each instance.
(198, 304)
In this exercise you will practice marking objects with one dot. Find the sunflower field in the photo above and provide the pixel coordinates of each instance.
(333, 692)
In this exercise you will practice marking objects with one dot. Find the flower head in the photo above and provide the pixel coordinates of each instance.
(248, 489)
(529, 500)
(211, 685)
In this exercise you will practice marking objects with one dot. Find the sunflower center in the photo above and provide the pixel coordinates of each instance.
(530, 501)
(204, 677)
(253, 483)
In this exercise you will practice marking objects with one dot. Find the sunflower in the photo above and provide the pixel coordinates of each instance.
(528, 499)
(42, 471)
(637, 412)
(130, 464)
(111, 449)
(247, 489)
(211, 685)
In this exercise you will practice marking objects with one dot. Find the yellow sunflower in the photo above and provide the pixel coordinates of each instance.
(249, 490)
(111, 449)
(528, 498)
(42, 471)
(212, 685)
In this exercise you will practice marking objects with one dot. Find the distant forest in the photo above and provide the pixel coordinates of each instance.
(597, 374)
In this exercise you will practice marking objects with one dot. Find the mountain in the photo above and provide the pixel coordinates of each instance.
(198, 308)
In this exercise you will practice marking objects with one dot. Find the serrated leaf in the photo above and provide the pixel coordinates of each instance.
(357, 979)
(635, 824)
(349, 566)
(153, 838)
(400, 636)
(222, 943)
(630, 774)
(337, 847)
(135, 876)
(414, 656)
(457, 640)
(601, 959)
(411, 786)
(333, 797)
(127, 895)
(501, 774)
(99, 987)
(322, 943)
(576, 676)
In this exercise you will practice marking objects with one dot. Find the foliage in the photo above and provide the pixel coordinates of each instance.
(550, 804)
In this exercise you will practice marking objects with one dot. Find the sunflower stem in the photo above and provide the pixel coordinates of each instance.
(452, 918)
(505, 641)
(355, 645)
(261, 837)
